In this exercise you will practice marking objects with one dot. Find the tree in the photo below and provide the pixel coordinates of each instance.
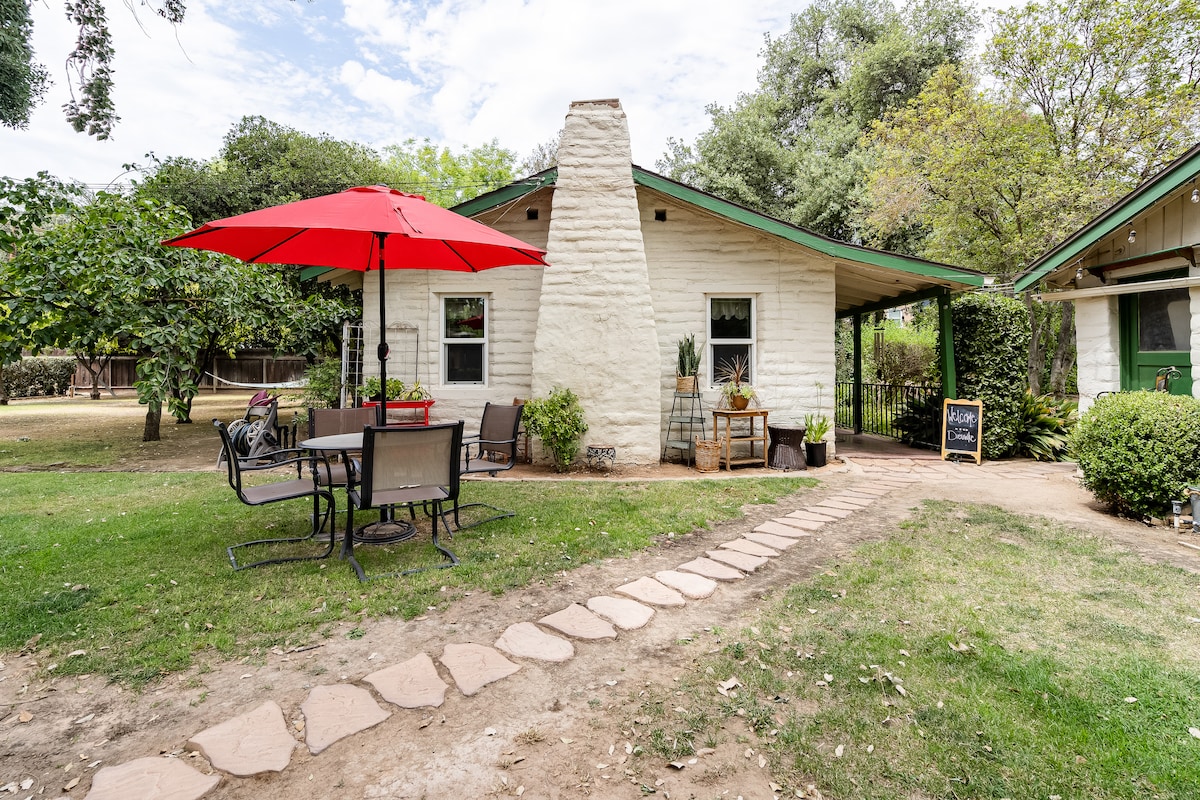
(446, 178)
(22, 80)
(790, 149)
(1093, 98)
(98, 277)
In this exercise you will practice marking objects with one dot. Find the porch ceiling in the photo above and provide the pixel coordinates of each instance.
(862, 287)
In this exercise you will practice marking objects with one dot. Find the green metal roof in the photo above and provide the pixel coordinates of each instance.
(814, 241)
(1172, 177)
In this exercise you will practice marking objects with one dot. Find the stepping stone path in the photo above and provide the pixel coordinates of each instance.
(259, 741)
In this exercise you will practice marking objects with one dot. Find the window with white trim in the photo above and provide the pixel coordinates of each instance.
(464, 340)
(730, 334)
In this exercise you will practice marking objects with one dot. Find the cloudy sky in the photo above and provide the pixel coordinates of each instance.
(459, 72)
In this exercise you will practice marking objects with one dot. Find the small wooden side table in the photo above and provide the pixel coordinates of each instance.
(752, 437)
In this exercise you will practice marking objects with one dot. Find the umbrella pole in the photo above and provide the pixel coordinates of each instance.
(382, 351)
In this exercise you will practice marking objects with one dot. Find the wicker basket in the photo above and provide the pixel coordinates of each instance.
(708, 455)
(685, 384)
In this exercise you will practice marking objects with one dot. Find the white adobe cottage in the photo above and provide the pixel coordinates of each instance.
(637, 262)
(1131, 273)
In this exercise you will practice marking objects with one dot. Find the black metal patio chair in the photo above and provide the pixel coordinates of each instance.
(492, 450)
(297, 488)
(404, 466)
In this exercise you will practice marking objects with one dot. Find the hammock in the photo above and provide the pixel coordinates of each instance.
(285, 385)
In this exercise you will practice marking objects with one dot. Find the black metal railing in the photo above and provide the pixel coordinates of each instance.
(910, 413)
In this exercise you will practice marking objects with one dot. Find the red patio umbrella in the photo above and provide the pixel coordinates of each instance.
(364, 228)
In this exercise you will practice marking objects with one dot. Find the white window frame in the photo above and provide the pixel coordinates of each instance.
(751, 342)
(482, 342)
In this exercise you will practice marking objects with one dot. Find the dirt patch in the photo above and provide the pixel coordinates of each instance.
(549, 731)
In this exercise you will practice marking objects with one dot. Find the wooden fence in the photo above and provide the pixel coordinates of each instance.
(252, 367)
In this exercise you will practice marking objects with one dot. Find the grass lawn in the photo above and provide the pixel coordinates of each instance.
(975, 654)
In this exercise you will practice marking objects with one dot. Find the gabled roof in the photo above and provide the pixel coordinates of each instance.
(867, 279)
(1169, 180)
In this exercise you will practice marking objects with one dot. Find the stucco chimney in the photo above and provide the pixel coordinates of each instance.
(596, 332)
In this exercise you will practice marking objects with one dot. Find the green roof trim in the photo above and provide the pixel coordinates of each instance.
(506, 194)
(813, 241)
(1172, 177)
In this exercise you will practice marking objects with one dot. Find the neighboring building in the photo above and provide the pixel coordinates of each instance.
(637, 262)
(1131, 273)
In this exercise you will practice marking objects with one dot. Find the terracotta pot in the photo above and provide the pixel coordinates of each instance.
(739, 403)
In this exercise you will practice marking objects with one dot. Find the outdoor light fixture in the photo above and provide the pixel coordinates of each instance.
(1078, 273)
(1196, 195)
(1132, 236)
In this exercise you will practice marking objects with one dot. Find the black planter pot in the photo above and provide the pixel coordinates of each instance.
(814, 453)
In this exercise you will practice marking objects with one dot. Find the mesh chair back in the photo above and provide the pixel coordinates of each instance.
(498, 430)
(410, 464)
(333, 421)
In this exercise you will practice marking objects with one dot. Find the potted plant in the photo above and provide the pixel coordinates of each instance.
(736, 392)
(370, 389)
(816, 427)
(687, 366)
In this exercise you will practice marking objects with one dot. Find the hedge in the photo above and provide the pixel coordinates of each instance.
(43, 376)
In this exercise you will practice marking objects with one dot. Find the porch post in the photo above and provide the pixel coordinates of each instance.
(946, 337)
(857, 391)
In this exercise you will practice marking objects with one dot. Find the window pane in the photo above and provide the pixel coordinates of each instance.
(729, 318)
(1164, 321)
(723, 355)
(464, 318)
(464, 363)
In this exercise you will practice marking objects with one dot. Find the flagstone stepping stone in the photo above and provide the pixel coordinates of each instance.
(150, 779)
(690, 585)
(771, 540)
(858, 502)
(335, 712)
(839, 504)
(648, 590)
(474, 666)
(579, 623)
(794, 529)
(810, 516)
(414, 683)
(737, 560)
(526, 640)
(708, 568)
(749, 548)
(626, 614)
(830, 511)
(254, 742)
(858, 494)
(878, 491)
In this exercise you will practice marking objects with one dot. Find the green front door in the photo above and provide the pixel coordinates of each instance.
(1156, 335)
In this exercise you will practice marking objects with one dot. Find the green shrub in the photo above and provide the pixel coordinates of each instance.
(1046, 425)
(322, 384)
(44, 376)
(558, 423)
(991, 352)
(1138, 450)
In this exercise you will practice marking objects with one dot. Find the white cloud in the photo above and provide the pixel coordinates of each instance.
(460, 72)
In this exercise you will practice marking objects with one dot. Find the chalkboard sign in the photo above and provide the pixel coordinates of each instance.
(962, 428)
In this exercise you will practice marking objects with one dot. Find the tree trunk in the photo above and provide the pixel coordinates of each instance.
(3, 388)
(1037, 351)
(1064, 352)
(153, 418)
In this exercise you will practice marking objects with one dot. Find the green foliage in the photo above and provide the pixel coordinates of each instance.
(23, 81)
(1046, 425)
(558, 422)
(991, 342)
(446, 178)
(396, 389)
(688, 362)
(1138, 450)
(44, 376)
(322, 384)
(816, 427)
(791, 148)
